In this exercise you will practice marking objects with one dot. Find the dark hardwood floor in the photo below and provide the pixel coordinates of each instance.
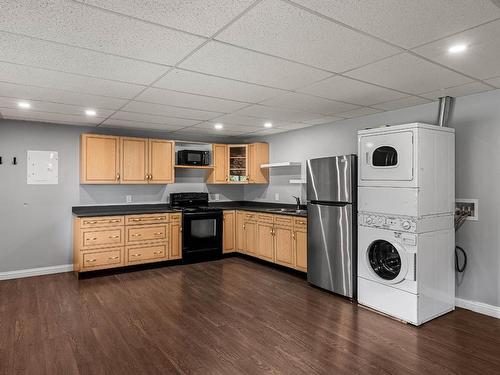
(232, 316)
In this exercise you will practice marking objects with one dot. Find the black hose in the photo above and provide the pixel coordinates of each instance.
(457, 263)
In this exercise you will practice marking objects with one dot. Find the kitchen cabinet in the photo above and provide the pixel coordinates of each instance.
(250, 234)
(161, 161)
(99, 159)
(115, 241)
(219, 173)
(284, 245)
(229, 244)
(175, 236)
(265, 235)
(258, 154)
(300, 244)
(134, 160)
(125, 160)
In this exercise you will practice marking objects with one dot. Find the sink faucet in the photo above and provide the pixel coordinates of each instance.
(297, 200)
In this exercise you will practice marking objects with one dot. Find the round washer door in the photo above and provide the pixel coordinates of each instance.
(386, 261)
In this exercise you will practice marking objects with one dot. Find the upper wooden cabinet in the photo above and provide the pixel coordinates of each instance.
(125, 160)
(99, 159)
(239, 164)
(219, 173)
(161, 161)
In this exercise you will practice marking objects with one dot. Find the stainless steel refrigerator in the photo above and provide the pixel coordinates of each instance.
(332, 224)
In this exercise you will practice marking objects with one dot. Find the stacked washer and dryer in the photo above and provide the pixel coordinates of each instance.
(406, 237)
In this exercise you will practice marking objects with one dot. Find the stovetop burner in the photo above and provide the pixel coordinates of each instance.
(191, 202)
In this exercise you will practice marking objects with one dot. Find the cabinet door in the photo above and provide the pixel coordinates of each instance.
(258, 153)
(284, 246)
(300, 243)
(219, 162)
(265, 248)
(228, 232)
(99, 159)
(134, 160)
(251, 243)
(161, 161)
(240, 231)
(175, 236)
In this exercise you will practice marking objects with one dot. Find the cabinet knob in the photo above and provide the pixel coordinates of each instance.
(118, 176)
(113, 258)
(158, 233)
(114, 236)
(136, 235)
(157, 252)
(91, 260)
(136, 255)
(92, 239)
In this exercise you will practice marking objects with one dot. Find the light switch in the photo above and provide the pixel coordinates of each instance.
(276, 196)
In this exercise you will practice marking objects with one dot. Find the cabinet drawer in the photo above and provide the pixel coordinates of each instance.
(265, 218)
(104, 221)
(146, 219)
(147, 233)
(300, 222)
(283, 219)
(107, 237)
(250, 216)
(145, 254)
(92, 260)
(176, 218)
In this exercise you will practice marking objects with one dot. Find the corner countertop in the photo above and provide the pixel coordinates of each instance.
(135, 209)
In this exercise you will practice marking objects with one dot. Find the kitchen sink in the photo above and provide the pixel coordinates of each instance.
(289, 210)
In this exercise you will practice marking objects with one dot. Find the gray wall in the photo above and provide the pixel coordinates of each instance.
(35, 220)
(476, 119)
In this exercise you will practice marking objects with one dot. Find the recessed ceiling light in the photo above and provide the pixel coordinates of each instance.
(218, 126)
(268, 125)
(90, 112)
(24, 105)
(457, 48)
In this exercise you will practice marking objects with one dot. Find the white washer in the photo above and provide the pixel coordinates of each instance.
(403, 273)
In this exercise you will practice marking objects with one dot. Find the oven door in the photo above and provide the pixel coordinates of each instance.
(202, 234)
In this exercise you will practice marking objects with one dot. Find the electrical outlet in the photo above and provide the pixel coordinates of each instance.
(129, 198)
(469, 206)
(276, 196)
(217, 197)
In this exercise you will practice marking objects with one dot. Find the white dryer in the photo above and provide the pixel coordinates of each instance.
(407, 169)
(404, 273)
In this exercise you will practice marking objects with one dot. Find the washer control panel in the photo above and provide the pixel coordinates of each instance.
(396, 223)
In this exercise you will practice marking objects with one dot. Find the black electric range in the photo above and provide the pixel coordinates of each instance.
(202, 227)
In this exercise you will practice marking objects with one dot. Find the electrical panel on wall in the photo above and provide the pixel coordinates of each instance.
(43, 168)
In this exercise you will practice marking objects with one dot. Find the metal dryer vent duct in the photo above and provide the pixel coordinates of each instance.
(445, 108)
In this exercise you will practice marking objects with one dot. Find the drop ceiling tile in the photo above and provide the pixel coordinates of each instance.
(292, 125)
(80, 25)
(409, 101)
(468, 89)
(229, 127)
(240, 64)
(26, 51)
(221, 133)
(284, 30)
(269, 132)
(167, 97)
(480, 60)
(409, 73)
(360, 112)
(494, 81)
(59, 96)
(350, 90)
(41, 106)
(115, 123)
(153, 119)
(307, 103)
(203, 17)
(407, 23)
(274, 114)
(169, 111)
(202, 84)
(323, 120)
(56, 118)
(25, 75)
(241, 120)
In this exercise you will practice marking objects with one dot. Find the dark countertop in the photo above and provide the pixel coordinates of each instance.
(134, 209)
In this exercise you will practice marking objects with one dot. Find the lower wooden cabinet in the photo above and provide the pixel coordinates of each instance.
(280, 239)
(115, 241)
(228, 241)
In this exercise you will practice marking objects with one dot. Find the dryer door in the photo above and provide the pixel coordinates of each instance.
(386, 157)
(386, 261)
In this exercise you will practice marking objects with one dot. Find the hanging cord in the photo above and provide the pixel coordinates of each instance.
(460, 218)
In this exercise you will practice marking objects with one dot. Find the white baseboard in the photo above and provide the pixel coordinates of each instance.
(35, 271)
(479, 307)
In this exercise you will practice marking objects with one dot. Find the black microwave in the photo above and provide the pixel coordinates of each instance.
(193, 157)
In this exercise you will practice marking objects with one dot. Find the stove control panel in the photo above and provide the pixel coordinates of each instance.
(396, 223)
